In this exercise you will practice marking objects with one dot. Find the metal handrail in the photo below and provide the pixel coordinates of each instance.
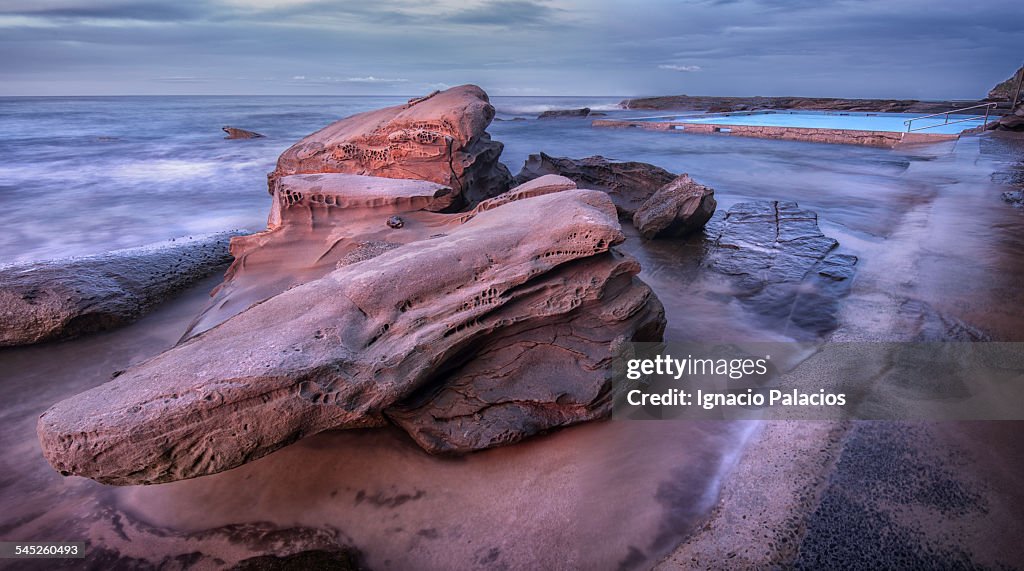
(988, 107)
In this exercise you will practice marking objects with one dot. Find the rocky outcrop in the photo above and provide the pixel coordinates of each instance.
(236, 133)
(629, 183)
(60, 299)
(728, 104)
(440, 138)
(677, 209)
(468, 330)
(781, 265)
(317, 224)
(564, 113)
(1004, 90)
(1010, 122)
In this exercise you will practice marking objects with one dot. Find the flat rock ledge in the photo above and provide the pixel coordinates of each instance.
(781, 265)
(61, 299)
(468, 330)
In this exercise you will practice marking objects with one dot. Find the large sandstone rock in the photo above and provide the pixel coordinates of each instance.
(677, 209)
(439, 138)
(629, 183)
(60, 299)
(318, 223)
(468, 330)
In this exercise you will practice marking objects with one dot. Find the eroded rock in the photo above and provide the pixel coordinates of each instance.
(467, 317)
(61, 299)
(440, 138)
(629, 183)
(317, 224)
(677, 209)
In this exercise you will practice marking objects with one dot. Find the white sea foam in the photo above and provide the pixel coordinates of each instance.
(513, 108)
(164, 169)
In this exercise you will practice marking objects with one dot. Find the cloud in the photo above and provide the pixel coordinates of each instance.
(853, 48)
(151, 11)
(506, 13)
(183, 79)
(676, 67)
(373, 79)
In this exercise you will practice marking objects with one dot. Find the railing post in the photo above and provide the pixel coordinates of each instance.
(985, 126)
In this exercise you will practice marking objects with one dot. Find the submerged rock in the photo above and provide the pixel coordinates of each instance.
(60, 299)
(236, 133)
(563, 113)
(471, 330)
(439, 138)
(780, 264)
(677, 209)
(629, 183)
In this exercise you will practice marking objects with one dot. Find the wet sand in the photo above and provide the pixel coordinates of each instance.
(603, 495)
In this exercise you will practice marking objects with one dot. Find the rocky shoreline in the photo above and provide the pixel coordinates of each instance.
(408, 284)
(516, 338)
(62, 299)
(714, 104)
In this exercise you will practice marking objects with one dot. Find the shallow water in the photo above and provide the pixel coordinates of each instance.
(927, 224)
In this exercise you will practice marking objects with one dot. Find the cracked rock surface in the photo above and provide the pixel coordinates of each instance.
(780, 263)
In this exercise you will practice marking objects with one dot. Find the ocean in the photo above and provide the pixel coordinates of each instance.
(117, 172)
(81, 175)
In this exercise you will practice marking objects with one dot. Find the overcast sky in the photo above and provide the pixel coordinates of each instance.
(851, 48)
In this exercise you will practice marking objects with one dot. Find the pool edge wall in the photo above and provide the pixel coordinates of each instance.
(887, 139)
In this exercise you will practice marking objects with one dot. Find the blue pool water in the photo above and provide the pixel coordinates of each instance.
(826, 120)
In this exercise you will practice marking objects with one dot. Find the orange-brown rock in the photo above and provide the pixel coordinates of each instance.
(468, 330)
(440, 138)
